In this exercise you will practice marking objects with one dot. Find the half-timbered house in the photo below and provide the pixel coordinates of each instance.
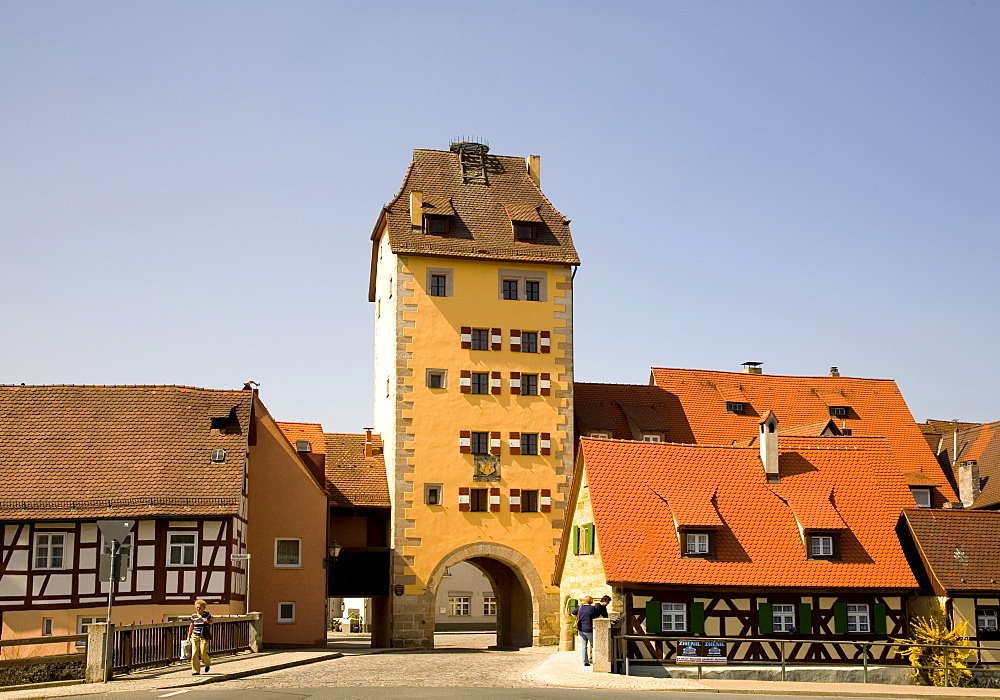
(790, 538)
(206, 473)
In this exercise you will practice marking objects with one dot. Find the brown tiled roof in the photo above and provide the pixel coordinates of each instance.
(631, 484)
(481, 213)
(352, 480)
(982, 444)
(603, 407)
(120, 451)
(960, 548)
(876, 408)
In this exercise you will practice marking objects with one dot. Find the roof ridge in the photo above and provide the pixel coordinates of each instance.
(117, 386)
(771, 374)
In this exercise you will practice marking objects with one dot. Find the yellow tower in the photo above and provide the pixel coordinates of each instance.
(472, 280)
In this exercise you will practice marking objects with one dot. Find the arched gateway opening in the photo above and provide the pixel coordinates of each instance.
(518, 589)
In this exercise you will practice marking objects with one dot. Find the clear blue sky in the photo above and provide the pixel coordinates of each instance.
(188, 188)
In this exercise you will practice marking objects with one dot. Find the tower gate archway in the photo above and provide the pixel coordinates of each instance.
(524, 617)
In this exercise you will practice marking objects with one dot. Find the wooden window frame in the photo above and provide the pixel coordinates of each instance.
(479, 439)
(529, 385)
(508, 287)
(431, 221)
(529, 501)
(480, 339)
(528, 227)
(480, 383)
(479, 500)
(529, 339)
(532, 290)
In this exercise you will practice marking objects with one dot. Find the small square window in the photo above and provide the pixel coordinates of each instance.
(600, 434)
(181, 549)
(697, 543)
(432, 494)
(480, 339)
(460, 606)
(529, 501)
(303, 446)
(838, 411)
(489, 605)
(524, 231)
(532, 290)
(652, 437)
(673, 617)
(439, 286)
(921, 496)
(82, 623)
(986, 619)
(737, 407)
(529, 443)
(218, 456)
(480, 382)
(480, 500)
(287, 553)
(480, 443)
(439, 282)
(286, 613)
(510, 289)
(49, 550)
(822, 546)
(529, 341)
(529, 384)
(435, 223)
(858, 619)
(437, 379)
(782, 618)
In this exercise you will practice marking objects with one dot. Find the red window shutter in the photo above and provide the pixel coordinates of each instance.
(515, 387)
(465, 384)
(497, 338)
(515, 341)
(546, 501)
(495, 381)
(546, 444)
(545, 384)
(466, 334)
(515, 494)
(464, 497)
(494, 500)
(465, 441)
(544, 342)
(515, 443)
(495, 443)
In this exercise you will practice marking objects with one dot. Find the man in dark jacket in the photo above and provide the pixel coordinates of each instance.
(585, 615)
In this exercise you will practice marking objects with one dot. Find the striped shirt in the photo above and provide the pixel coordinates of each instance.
(199, 622)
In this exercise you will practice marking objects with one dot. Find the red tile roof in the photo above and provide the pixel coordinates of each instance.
(352, 480)
(480, 213)
(120, 451)
(631, 484)
(959, 548)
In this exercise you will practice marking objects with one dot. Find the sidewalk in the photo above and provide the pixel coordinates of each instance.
(563, 669)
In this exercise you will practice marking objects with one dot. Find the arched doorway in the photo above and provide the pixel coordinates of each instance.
(516, 585)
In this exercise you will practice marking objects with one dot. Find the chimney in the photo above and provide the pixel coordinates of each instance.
(368, 443)
(753, 368)
(834, 372)
(535, 169)
(968, 482)
(416, 208)
(769, 446)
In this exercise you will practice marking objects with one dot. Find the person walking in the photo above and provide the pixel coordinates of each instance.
(585, 615)
(199, 635)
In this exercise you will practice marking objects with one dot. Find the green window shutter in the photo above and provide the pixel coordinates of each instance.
(576, 539)
(840, 618)
(878, 619)
(765, 619)
(697, 625)
(590, 539)
(654, 617)
(805, 618)
(572, 604)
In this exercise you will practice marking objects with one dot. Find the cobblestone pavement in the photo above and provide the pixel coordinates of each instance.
(460, 660)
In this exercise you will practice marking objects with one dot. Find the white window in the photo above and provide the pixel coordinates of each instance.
(857, 618)
(697, 543)
(782, 618)
(125, 548)
(288, 553)
(286, 613)
(986, 619)
(652, 437)
(489, 605)
(82, 623)
(821, 545)
(46, 626)
(922, 497)
(49, 550)
(181, 548)
(673, 617)
(460, 605)
(599, 434)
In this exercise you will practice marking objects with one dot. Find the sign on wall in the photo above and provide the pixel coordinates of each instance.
(701, 651)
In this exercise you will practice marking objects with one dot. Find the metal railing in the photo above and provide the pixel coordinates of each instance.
(862, 652)
(159, 644)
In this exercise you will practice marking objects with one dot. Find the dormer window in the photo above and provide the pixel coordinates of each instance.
(737, 407)
(823, 545)
(838, 411)
(436, 223)
(652, 437)
(921, 496)
(303, 446)
(698, 544)
(524, 230)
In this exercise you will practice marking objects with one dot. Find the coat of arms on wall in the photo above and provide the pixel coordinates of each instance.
(487, 468)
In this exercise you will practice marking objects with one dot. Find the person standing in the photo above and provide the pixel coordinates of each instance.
(199, 635)
(585, 615)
